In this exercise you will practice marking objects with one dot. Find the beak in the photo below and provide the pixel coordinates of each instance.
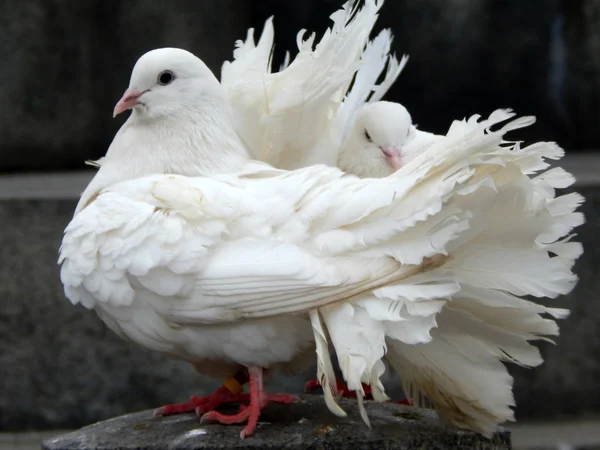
(393, 156)
(129, 100)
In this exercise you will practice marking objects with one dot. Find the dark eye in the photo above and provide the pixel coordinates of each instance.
(165, 77)
(368, 137)
(407, 132)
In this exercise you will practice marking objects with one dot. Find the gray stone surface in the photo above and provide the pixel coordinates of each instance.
(578, 434)
(306, 425)
(62, 368)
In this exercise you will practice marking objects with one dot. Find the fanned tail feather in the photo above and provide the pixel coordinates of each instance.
(364, 88)
(325, 373)
(449, 334)
(285, 117)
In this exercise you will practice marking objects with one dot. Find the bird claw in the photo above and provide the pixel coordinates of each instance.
(343, 390)
(224, 419)
(220, 397)
(284, 399)
(257, 400)
(311, 385)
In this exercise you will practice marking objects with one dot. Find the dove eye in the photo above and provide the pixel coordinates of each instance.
(368, 137)
(165, 77)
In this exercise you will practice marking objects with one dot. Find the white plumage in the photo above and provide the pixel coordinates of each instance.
(517, 244)
(294, 118)
(183, 245)
(485, 316)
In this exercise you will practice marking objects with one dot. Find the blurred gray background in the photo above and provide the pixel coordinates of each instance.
(65, 63)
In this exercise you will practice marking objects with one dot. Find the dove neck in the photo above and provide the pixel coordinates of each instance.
(190, 143)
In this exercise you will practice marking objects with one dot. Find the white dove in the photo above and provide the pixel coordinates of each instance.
(376, 147)
(378, 138)
(510, 250)
(252, 266)
(294, 117)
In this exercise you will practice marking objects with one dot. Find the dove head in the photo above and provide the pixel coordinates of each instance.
(167, 81)
(376, 143)
(181, 122)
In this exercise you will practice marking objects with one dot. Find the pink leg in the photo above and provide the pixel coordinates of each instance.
(251, 413)
(258, 400)
(341, 387)
(221, 396)
(230, 392)
(345, 392)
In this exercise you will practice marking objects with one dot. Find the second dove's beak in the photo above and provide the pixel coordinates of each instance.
(393, 156)
(129, 100)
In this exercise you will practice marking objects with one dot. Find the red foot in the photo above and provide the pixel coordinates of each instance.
(341, 387)
(345, 392)
(220, 397)
(258, 399)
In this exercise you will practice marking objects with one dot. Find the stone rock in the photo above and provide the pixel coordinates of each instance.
(306, 425)
(66, 63)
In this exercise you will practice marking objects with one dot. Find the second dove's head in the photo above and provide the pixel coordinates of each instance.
(376, 143)
(166, 81)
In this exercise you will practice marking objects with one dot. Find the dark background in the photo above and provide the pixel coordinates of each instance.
(65, 63)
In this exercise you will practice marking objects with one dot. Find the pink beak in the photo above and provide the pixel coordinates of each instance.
(393, 156)
(129, 100)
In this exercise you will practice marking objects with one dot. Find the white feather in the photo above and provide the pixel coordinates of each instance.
(479, 320)
(285, 118)
(185, 247)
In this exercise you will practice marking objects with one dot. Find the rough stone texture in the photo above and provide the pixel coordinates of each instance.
(307, 425)
(66, 63)
(62, 368)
